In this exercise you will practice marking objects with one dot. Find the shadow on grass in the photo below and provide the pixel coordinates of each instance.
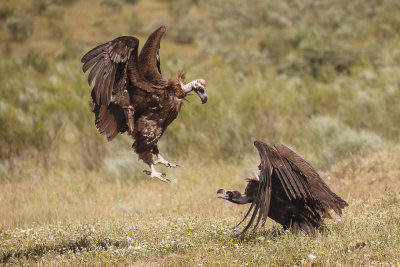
(80, 245)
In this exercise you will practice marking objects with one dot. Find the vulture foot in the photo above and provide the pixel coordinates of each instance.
(155, 174)
(161, 160)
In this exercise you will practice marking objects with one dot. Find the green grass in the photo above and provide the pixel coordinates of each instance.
(319, 77)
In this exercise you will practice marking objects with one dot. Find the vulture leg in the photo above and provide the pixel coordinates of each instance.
(161, 160)
(128, 111)
(148, 159)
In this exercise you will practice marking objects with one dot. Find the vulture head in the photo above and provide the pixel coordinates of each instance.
(248, 196)
(199, 87)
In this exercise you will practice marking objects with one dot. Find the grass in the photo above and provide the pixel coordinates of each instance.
(71, 219)
(319, 77)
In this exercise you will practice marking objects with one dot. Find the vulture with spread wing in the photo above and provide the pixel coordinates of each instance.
(130, 95)
(288, 190)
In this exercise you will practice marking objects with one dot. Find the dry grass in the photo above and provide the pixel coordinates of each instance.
(73, 219)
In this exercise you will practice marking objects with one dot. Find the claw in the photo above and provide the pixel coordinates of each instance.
(161, 160)
(155, 174)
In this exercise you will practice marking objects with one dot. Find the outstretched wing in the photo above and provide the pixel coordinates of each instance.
(320, 190)
(109, 120)
(113, 64)
(272, 164)
(260, 206)
(149, 58)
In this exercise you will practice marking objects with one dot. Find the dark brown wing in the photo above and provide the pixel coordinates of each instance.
(109, 120)
(260, 206)
(320, 190)
(149, 58)
(113, 64)
(272, 164)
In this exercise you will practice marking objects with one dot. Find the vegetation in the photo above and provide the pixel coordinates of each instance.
(320, 77)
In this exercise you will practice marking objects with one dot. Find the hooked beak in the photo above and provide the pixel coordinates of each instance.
(225, 193)
(233, 196)
(203, 96)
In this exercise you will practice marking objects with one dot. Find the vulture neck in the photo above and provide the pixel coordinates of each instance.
(242, 200)
(187, 88)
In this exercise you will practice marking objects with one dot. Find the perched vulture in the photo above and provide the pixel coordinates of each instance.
(130, 94)
(288, 190)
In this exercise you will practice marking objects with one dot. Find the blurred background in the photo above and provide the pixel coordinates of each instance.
(322, 77)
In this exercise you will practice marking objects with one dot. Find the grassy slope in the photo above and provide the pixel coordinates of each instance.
(72, 213)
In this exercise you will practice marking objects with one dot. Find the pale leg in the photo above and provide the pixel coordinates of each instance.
(161, 160)
(155, 174)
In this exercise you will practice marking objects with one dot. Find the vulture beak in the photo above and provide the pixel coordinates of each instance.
(226, 194)
(202, 94)
(233, 196)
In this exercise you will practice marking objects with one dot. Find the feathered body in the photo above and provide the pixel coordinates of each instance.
(288, 190)
(130, 94)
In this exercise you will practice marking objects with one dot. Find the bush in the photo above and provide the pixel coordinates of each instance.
(333, 140)
(133, 2)
(111, 4)
(37, 60)
(6, 11)
(54, 12)
(20, 28)
(39, 6)
(64, 2)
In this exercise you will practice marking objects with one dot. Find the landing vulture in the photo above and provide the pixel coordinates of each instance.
(130, 95)
(288, 190)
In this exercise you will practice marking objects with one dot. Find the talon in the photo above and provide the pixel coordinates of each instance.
(155, 174)
(161, 160)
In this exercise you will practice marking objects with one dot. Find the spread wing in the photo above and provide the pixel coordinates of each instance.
(320, 190)
(260, 206)
(293, 183)
(113, 64)
(149, 58)
(109, 120)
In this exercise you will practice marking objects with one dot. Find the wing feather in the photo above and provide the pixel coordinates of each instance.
(263, 197)
(149, 58)
(117, 58)
(320, 190)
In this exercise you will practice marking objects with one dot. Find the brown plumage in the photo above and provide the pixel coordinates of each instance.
(288, 190)
(130, 94)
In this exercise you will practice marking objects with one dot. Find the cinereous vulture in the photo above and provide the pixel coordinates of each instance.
(288, 190)
(130, 95)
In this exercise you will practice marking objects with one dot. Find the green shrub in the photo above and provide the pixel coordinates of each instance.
(37, 60)
(39, 6)
(6, 11)
(20, 28)
(333, 140)
(111, 4)
(64, 2)
(54, 12)
(132, 1)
